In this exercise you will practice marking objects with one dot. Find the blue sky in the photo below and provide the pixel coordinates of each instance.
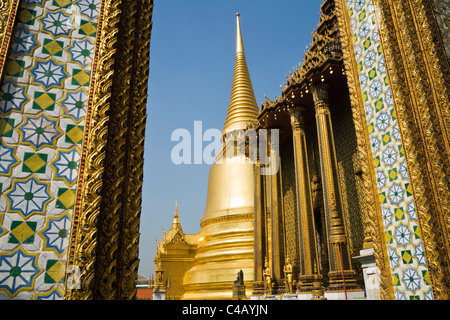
(192, 54)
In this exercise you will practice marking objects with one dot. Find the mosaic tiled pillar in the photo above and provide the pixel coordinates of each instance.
(405, 252)
(43, 102)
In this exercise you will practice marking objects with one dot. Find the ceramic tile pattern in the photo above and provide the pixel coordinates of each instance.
(42, 114)
(408, 267)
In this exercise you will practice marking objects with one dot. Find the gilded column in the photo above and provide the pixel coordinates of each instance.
(268, 219)
(341, 275)
(308, 252)
(275, 206)
(258, 285)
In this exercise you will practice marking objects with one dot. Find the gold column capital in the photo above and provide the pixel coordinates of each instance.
(319, 92)
(297, 114)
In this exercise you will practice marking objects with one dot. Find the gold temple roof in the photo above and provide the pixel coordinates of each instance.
(175, 234)
(324, 50)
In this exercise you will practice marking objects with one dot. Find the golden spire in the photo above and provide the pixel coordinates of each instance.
(225, 243)
(243, 108)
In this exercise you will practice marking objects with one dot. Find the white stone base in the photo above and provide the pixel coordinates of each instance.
(370, 272)
(159, 295)
(330, 295)
(304, 296)
(351, 295)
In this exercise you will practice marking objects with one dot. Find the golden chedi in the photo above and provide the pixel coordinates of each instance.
(226, 240)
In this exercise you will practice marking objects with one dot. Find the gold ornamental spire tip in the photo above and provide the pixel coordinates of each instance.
(239, 42)
(176, 225)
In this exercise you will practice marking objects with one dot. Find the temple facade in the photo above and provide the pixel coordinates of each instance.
(358, 205)
(356, 208)
(72, 123)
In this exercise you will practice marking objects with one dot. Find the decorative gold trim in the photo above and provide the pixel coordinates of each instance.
(124, 161)
(228, 218)
(373, 223)
(81, 257)
(417, 70)
(8, 13)
(105, 233)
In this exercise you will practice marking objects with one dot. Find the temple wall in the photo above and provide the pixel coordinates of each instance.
(43, 101)
(405, 251)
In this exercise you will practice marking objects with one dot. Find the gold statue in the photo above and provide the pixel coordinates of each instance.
(159, 277)
(267, 278)
(288, 277)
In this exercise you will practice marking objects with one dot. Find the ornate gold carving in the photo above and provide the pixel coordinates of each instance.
(320, 95)
(159, 278)
(87, 207)
(418, 75)
(8, 12)
(337, 232)
(104, 243)
(177, 238)
(373, 226)
(318, 291)
(297, 114)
